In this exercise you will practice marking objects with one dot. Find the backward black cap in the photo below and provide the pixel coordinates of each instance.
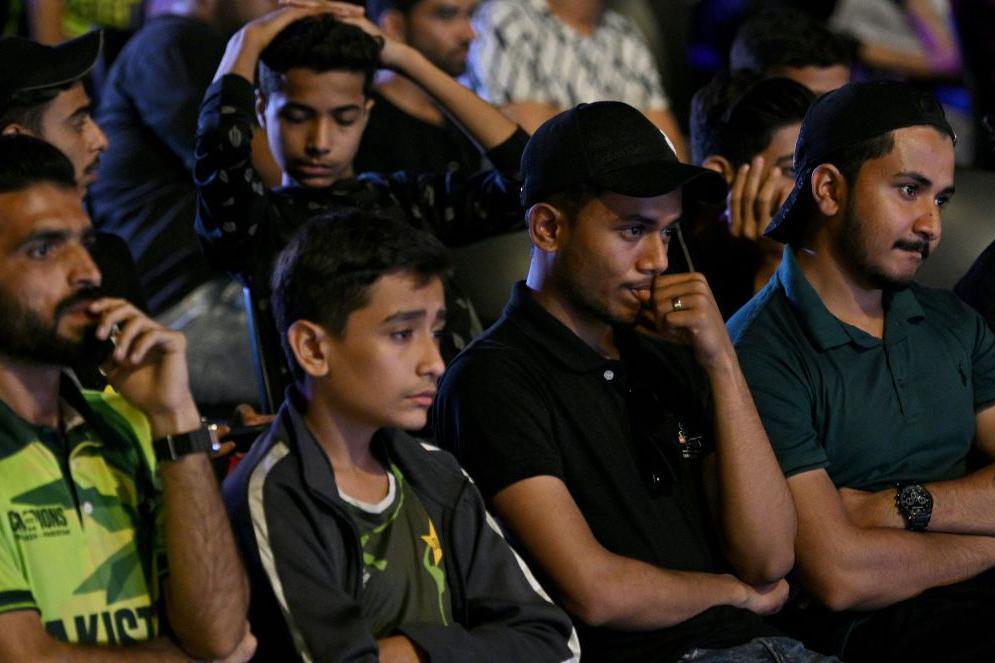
(845, 117)
(611, 146)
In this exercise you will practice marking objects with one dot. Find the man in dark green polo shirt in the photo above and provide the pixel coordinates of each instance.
(874, 390)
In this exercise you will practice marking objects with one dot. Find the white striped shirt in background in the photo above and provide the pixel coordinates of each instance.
(525, 53)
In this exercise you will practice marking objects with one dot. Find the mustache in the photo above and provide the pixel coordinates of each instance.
(86, 294)
(922, 247)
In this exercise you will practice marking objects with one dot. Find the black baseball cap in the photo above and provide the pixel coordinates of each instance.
(845, 117)
(27, 65)
(611, 146)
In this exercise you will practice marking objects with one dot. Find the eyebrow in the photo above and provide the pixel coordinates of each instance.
(923, 180)
(406, 316)
(83, 111)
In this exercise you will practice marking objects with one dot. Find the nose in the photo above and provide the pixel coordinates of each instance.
(97, 139)
(430, 363)
(467, 33)
(83, 270)
(319, 137)
(929, 225)
(653, 255)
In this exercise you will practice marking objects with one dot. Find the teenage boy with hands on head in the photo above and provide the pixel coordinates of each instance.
(316, 66)
(81, 545)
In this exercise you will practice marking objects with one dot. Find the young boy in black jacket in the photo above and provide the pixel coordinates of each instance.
(362, 541)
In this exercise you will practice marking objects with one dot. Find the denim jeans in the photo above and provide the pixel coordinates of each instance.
(760, 650)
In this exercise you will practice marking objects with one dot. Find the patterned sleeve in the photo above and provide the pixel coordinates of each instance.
(461, 208)
(502, 66)
(231, 200)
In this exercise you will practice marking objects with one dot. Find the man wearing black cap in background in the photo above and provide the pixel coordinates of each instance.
(585, 413)
(874, 390)
(41, 94)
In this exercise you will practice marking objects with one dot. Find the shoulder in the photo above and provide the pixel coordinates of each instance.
(269, 467)
(764, 312)
(497, 12)
(434, 472)
(118, 412)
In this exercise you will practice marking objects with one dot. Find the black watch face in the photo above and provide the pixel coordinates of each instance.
(916, 498)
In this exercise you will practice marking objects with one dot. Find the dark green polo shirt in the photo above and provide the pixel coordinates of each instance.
(870, 411)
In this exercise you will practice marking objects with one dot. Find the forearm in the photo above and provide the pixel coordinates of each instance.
(960, 506)
(755, 506)
(630, 594)
(207, 598)
(866, 569)
(483, 123)
(399, 649)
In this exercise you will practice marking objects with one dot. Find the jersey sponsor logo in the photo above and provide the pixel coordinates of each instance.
(42, 521)
(122, 626)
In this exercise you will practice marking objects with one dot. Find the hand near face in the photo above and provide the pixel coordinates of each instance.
(682, 309)
(148, 366)
(754, 198)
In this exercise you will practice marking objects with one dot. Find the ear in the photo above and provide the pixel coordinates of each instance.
(546, 226)
(261, 101)
(829, 189)
(394, 25)
(720, 165)
(307, 342)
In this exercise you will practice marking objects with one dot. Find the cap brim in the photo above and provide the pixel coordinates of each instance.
(646, 180)
(76, 58)
(785, 224)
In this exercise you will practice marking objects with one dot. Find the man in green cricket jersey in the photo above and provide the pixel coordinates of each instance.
(113, 540)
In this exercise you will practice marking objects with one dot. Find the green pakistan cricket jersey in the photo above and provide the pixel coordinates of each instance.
(78, 532)
(404, 572)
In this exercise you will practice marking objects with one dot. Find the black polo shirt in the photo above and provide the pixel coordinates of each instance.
(626, 436)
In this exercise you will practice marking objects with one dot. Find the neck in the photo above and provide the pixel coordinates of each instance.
(581, 15)
(346, 442)
(409, 97)
(31, 391)
(595, 333)
(846, 298)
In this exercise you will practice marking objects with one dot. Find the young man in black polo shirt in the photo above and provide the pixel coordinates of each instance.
(362, 541)
(620, 432)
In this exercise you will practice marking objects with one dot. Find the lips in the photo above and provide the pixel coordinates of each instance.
(423, 399)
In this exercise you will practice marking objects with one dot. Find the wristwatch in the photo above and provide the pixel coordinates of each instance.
(915, 503)
(173, 447)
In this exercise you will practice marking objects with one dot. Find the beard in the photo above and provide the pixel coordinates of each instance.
(853, 246)
(25, 337)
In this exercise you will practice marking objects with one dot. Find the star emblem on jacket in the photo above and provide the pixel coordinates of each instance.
(432, 539)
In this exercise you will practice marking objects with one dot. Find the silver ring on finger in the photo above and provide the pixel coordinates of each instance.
(677, 304)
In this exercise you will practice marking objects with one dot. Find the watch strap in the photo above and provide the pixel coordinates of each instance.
(173, 447)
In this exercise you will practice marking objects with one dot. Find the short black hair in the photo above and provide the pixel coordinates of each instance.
(735, 115)
(26, 107)
(325, 272)
(787, 38)
(320, 43)
(26, 161)
(376, 8)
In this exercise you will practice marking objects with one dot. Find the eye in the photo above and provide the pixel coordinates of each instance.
(909, 191)
(668, 232)
(40, 251)
(347, 118)
(942, 200)
(633, 232)
(295, 115)
(402, 334)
